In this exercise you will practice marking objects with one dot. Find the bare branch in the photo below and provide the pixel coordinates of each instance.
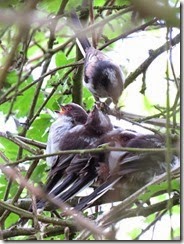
(103, 148)
(18, 142)
(31, 142)
(154, 54)
(116, 214)
(78, 217)
(161, 11)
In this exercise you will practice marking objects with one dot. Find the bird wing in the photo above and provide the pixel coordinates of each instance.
(97, 193)
(80, 173)
(57, 171)
(129, 165)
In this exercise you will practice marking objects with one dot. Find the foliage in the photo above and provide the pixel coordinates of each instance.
(38, 69)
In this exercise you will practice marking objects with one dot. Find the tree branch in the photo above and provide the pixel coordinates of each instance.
(48, 231)
(37, 191)
(22, 29)
(162, 11)
(5, 214)
(32, 142)
(18, 142)
(103, 148)
(116, 214)
(154, 54)
(138, 119)
(29, 215)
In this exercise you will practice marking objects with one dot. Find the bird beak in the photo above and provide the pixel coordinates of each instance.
(95, 108)
(61, 111)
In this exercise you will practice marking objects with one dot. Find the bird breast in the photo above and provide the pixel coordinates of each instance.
(57, 131)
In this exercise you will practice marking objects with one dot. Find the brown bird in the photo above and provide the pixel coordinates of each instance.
(123, 173)
(102, 75)
(69, 116)
(68, 176)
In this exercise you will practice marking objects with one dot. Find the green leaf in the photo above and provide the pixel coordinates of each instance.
(12, 77)
(10, 149)
(5, 108)
(152, 190)
(61, 59)
(134, 233)
(24, 100)
(99, 2)
(13, 190)
(124, 2)
(39, 128)
(8, 3)
(39, 173)
(88, 99)
(12, 219)
(177, 232)
(149, 219)
(50, 6)
(3, 185)
(147, 103)
(60, 100)
(176, 209)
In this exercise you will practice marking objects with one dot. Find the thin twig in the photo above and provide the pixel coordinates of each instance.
(115, 214)
(78, 217)
(103, 148)
(32, 142)
(17, 195)
(154, 54)
(18, 142)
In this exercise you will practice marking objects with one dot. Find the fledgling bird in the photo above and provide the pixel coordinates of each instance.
(69, 116)
(102, 75)
(127, 172)
(66, 176)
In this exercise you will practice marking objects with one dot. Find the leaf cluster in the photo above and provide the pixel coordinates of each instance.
(39, 71)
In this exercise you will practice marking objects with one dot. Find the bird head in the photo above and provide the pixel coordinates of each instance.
(74, 111)
(98, 121)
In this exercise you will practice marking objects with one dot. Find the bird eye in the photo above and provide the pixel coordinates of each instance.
(65, 109)
(68, 108)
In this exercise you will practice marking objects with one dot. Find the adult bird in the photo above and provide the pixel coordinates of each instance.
(66, 177)
(102, 75)
(123, 172)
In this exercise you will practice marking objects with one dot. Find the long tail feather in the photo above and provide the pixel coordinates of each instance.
(98, 192)
(77, 27)
(63, 185)
(75, 188)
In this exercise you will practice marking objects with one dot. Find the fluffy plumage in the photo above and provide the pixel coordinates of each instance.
(69, 116)
(70, 173)
(126, 172)
(113, 173)
(102, 75)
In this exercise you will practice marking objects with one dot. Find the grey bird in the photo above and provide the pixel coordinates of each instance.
(69, 116)
(102, 75)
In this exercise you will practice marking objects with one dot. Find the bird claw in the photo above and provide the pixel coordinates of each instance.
(103, 106)
(118, 112)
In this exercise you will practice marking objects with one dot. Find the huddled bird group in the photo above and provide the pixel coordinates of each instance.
(111, 172)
